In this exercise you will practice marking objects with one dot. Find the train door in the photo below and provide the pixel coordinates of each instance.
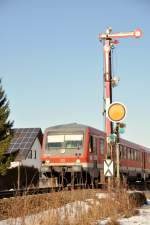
(101, 160)
(93, 158)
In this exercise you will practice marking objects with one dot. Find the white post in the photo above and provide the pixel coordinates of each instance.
(118, 161)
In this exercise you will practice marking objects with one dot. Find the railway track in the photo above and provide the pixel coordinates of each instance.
(34, 191)
(142, 186)
(31, 191)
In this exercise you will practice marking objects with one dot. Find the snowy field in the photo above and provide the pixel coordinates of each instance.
(143, 218)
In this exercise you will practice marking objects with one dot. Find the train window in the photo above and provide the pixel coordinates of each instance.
(65, 141)
(135, 152)
(122, 151)
(138, 156)
(55, 141)
(126, 149)
(73, 141)
(94, 144)
(129, 155)
(125, 152)
(91, 144)
(102, 145)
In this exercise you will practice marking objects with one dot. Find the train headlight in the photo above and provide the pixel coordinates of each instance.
(78, 161)
(47, 161)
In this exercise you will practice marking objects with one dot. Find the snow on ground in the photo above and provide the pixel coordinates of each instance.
(143, 218)
(70, 209)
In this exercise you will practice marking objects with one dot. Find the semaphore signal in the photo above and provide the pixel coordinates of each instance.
(109, 42)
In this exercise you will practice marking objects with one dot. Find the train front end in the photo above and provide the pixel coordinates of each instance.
(63, 153)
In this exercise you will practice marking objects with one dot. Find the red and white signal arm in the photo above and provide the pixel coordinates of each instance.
(138, 33)
(116, 112)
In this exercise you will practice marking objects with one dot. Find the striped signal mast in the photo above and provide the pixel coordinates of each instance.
(109, 40)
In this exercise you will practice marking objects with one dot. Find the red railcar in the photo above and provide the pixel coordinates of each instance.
(74, 153)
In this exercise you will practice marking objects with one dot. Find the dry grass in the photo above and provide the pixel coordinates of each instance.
(147, 194)
(112, 222)
(75, 207)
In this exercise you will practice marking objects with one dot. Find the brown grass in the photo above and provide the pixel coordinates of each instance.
(112, 222)
(75, 207)
(147, 194)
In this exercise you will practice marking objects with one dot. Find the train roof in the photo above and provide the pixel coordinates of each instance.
(80, 127)
(73, 127)
(67, 127)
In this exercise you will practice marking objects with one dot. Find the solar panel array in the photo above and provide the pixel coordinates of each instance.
(23, 140)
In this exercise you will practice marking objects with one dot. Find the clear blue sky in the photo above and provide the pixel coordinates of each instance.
(51, 62)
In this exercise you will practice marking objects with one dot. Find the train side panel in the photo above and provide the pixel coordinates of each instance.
(78, 151)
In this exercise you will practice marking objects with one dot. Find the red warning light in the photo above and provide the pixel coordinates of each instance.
(116, 42)
(137, 33)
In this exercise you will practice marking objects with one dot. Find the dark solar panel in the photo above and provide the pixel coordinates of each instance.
(23, 140)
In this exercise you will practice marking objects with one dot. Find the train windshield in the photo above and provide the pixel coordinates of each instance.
(65, 141)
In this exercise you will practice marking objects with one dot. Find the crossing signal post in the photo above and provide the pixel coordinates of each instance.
(109, 41)
(119, 126)
(116, 113)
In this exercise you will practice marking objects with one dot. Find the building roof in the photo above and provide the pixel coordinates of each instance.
(23, 140)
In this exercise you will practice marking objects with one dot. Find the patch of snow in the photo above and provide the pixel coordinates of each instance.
(148, 201)
(143, 218)
(71, 209)
(101, 195)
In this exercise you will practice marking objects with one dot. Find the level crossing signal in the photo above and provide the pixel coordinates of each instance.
(108, 168)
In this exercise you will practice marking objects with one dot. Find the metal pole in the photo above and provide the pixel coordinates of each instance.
(117, 152)
(107, 38)
(107, 90)
(117, 161)
(18, 175)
